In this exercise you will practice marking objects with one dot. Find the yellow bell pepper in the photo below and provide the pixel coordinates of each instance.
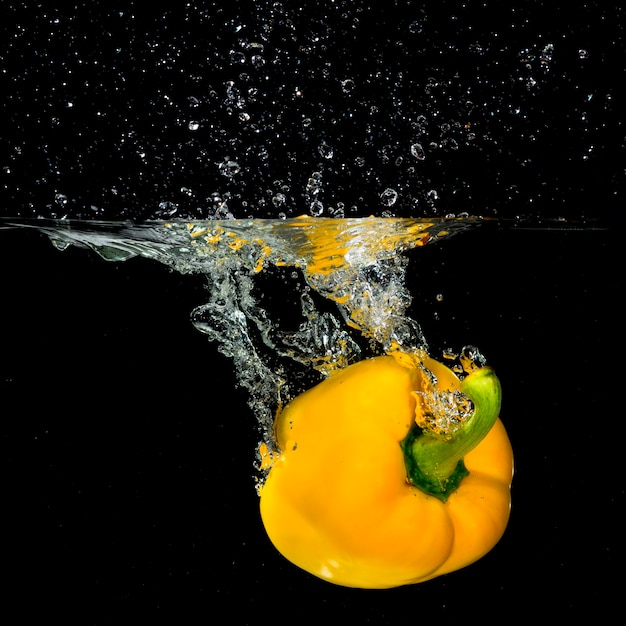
(379, 483)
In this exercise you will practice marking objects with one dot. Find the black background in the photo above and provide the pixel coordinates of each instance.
(134, 110)
(127, 450)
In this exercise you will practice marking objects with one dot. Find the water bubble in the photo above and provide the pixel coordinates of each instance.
(316, 208)
(415, 27)
(237, 57)
(60, 244)
(255, 46)
(234, 95)
(347, 85)
(193, 125)
(450, 354)
(279, 200)
(325, 150)
(60, 199)
(583, 54)
(472, 359)
(314, 184)
(167, 208)
(546, 54)
(229, 168)
(389, 196)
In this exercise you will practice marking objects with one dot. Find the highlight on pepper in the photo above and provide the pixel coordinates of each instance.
(391, 472)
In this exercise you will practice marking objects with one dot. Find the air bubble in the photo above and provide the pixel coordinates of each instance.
(316, 208)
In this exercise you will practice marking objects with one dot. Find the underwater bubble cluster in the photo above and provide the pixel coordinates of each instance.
(334, 109)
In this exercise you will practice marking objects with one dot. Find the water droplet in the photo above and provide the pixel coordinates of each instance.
(439, 297)
(60, 199)
(229, 168)
(167, 208)
(417, 151)
(316, 208)
(279, 200)
(415, 27)
(347, 86)
(325, 150)
(237, 58)
(471, 359)
(255, 46)
(389, 196)
(449, 353)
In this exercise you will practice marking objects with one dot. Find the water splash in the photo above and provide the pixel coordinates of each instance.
(220, 111)
(342, 282)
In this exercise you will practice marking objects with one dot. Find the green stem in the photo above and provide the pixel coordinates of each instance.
(435, 464)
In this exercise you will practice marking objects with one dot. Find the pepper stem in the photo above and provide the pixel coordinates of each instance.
(435, 464)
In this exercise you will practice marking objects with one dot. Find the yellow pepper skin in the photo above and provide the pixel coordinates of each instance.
(337, 501)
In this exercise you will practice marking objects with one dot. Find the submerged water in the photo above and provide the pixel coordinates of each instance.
(289, 301)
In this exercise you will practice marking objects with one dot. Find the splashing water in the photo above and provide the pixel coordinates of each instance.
(262, 109)
(213, 129)
(345, 278)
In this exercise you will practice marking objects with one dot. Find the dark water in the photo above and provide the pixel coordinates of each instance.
(127, 449)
